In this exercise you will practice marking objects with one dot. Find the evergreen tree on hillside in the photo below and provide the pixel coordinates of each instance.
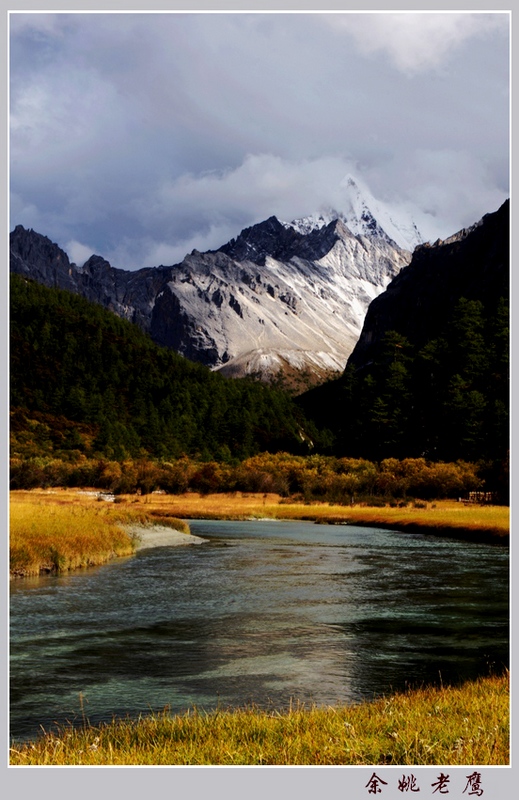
(444, 400)
(74, 359)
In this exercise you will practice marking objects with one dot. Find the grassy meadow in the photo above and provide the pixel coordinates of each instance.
(450, 725)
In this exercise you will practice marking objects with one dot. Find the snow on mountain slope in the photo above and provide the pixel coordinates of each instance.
(302, 313)
(279, 300)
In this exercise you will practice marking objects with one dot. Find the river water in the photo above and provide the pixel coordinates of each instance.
(262, 612)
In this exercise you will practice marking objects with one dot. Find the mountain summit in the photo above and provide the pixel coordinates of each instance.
(364, 216)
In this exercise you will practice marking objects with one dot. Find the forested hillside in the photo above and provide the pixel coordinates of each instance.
(444, 401)
(430, 374)
(84, 380)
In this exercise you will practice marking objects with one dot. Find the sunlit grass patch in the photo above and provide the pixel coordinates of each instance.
(451, 725)
(430, 516)
(60, 532)
(434, 516)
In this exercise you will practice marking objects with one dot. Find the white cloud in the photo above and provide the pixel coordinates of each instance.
(78, 253)
(262, 185)
(416, 42)
(467, 190)
(146, 252)
(443, 185)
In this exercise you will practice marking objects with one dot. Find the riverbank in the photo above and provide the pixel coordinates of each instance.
(144, 536)
(63, 529)
(449, 725)
(484, 523)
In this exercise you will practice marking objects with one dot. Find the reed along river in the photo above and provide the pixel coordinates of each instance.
(262, 612)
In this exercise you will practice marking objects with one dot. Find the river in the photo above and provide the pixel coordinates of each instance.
(262, 612)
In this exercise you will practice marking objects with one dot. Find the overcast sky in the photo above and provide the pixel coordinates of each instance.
(142, 136)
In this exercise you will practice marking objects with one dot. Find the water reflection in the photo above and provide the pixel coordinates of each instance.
(263, 612)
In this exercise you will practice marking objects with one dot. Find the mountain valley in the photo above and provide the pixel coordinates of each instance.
(426, 381)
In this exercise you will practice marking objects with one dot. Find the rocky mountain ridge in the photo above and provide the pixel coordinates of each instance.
(274, 301)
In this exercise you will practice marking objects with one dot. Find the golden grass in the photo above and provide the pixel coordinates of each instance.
(443, 515)
(448, 726)
(56, 532)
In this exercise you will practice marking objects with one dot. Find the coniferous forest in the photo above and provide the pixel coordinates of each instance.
(83, 379)
(444, 400)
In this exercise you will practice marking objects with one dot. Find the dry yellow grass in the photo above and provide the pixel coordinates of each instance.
(451, 725)
(446, 515)
(64, 530)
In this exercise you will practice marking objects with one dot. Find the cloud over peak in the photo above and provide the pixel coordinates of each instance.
(148, 135)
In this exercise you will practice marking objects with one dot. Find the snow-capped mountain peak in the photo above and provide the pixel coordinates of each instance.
(364, 215)
(273, 301)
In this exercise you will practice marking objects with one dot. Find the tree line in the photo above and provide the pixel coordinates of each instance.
(307, 478)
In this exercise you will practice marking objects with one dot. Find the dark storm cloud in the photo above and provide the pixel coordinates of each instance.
(141, 136)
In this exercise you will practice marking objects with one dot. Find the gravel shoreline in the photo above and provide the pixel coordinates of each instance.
(160, 536)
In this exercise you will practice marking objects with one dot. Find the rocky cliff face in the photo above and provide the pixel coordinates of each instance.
(130, 295)
(473, 263)
(274, 301)
(38, 258)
